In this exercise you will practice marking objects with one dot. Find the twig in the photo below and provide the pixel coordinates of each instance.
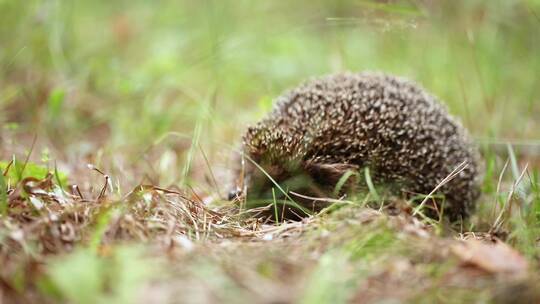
(450, 177)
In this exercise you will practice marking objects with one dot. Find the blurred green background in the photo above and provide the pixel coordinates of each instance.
(160, 92)
(109, 76)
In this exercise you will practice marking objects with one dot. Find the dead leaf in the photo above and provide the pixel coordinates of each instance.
(495, 257)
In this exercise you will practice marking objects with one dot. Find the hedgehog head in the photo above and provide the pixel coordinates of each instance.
(270, 151)
(271, 143)
(274, 153)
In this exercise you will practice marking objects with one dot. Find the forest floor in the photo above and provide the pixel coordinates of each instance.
(64, 242)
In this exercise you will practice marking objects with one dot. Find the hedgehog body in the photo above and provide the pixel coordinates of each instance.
(388, 124)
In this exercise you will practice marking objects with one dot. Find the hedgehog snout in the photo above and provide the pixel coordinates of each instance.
(234, 193)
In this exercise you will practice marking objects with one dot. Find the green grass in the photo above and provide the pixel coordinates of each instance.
(158, 93)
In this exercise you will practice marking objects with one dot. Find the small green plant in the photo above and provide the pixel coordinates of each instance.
(3, 195)
(17, 171)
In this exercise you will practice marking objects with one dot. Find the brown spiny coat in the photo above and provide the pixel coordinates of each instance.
(390, 125)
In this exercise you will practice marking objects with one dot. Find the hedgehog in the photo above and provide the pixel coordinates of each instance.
(349, 122)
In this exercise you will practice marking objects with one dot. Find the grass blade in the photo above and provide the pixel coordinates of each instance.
(370, 185)
(275, 205)
(3, 196)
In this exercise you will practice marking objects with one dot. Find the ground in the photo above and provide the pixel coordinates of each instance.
(120, 122)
